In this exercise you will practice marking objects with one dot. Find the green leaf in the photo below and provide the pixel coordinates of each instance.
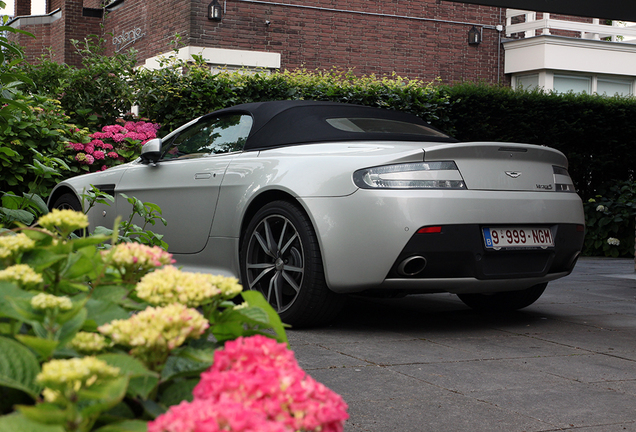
(91, 240)
(21, 216)
(71, 327)
(41, 259)
(177, 366)
(152, 408)
(116, 414)
(255, 298)
(125, 426)
(22, 306)
(104, 311)
(177, 392)
(37, 201)
(78, 302)
(16, 422)
(18, 367)
(142, 380)
(47, 413)
(43, 347)
(101, 397)
(112, 293)
(9, 290)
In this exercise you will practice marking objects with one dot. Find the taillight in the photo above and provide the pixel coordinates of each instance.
(418, 175)
(562, 180)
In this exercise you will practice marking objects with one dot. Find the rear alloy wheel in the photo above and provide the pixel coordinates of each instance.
(504, 301)
(280, 257)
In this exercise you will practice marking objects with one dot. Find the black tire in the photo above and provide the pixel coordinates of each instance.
(504, 301)
(69, 201)
(291, 276)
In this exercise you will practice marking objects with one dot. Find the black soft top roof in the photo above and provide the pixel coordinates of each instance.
(282, 123)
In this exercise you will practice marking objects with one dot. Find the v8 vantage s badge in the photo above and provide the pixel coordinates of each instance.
(544, 186)
(513, 174)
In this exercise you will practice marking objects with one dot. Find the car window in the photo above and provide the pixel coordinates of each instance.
(211, 135)
(378, 125)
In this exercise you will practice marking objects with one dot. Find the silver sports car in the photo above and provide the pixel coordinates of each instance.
(307, 201)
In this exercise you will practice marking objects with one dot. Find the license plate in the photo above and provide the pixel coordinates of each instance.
(518, 237)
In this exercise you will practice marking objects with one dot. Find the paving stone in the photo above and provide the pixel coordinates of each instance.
(429, 363)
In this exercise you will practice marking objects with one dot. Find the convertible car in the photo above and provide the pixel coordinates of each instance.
(307, 201)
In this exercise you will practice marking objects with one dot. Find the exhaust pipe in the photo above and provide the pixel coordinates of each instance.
(412, 266)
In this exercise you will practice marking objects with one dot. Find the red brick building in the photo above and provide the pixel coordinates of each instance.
(419, 39)
(423, 39)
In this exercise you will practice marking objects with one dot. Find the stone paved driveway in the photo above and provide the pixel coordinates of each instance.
(428, 363)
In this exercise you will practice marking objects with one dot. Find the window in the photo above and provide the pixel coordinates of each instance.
(211, 135)
(611, 87)
(576, 84)
(527, 82)
(375, 125)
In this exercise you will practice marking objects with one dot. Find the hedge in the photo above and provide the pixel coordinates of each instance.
(597, 134)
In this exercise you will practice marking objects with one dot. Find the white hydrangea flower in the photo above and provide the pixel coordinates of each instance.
(13, 244)
(21, 274)
(64, 220)
(48, 301)
(613, 241)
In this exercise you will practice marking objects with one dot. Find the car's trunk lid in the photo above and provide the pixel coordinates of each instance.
(504, 166)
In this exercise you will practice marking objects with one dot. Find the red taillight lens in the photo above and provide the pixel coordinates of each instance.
(580, 228)
(430, 230)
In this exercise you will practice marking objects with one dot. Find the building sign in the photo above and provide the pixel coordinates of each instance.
(126, 38)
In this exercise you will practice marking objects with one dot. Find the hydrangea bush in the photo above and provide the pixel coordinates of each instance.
(110, 339)
(258, 379)
(611, 221)
(114, 145)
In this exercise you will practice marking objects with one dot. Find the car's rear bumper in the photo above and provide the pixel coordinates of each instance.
(366, 235)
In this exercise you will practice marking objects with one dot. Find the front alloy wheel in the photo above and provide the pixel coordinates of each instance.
(280, 257)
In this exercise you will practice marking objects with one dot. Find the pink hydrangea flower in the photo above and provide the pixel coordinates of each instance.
(201, 416)
(77, 146)
(264, 376)
(101, 135)
(103, 168)
(114, 129)
(89, 159)
(107, 146)
(88, 148)
(112, 155)
(97, 143)
(99, 155)
(118, 137)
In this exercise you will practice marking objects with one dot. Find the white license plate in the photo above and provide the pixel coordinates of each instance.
(518, 237)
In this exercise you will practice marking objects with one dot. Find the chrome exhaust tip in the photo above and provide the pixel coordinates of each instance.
(412, 266)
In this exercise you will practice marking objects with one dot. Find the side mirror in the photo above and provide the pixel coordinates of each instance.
(151, 151)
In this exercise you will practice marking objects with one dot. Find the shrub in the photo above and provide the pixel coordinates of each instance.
(610, 220)
(91, 346)
(31, 144)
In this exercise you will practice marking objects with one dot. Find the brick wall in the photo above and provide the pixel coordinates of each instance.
(37, 46)
(321, 39)
(368, 44)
